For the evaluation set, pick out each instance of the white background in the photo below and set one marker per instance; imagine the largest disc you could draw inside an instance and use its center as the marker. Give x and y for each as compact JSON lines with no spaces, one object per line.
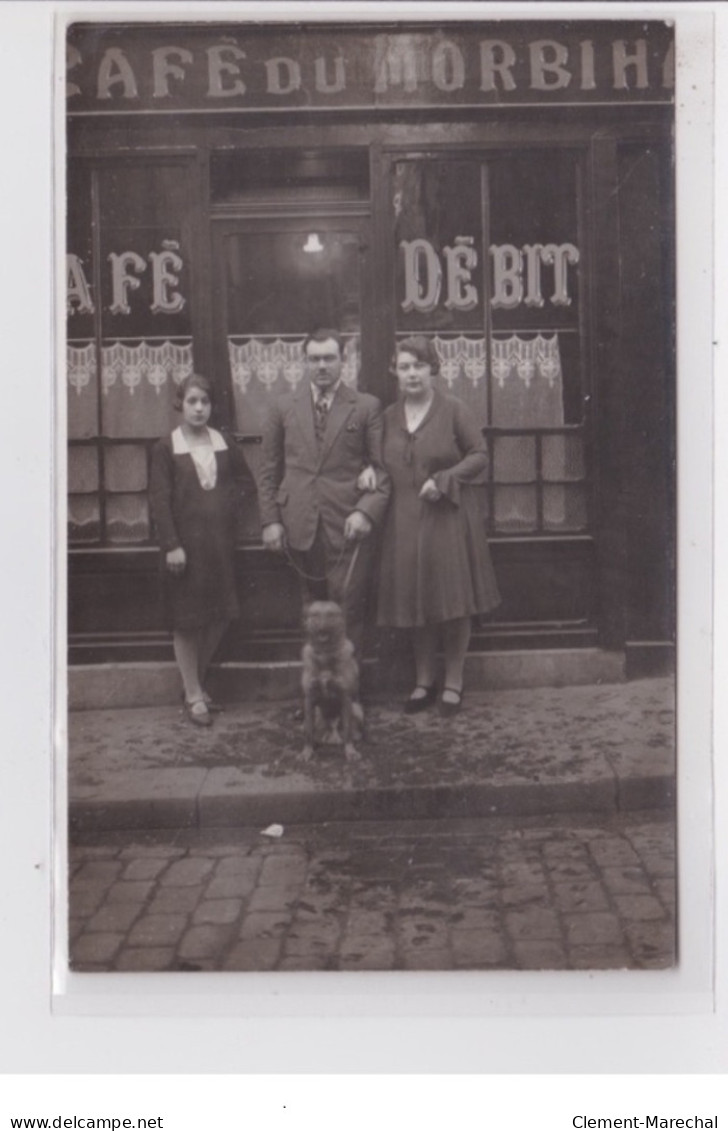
{"x":679,"y":1032}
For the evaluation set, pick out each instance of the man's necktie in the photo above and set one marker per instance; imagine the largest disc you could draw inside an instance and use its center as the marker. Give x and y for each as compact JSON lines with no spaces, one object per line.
{"x":320,"y":417}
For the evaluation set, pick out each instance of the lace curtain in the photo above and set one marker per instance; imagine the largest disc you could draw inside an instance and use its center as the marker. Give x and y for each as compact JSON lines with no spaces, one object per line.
{"x":137,"y":403}
{"x":262,"y":368}
{"x":137,"y":381}
{"x":526,"y":392}
{"x":136,"y":385}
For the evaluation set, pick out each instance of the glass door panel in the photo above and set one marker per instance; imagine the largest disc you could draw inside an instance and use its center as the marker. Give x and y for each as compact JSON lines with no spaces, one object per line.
{"x":275,"y":282}
{"x":278,"y":284}
{"x":286,"y":283}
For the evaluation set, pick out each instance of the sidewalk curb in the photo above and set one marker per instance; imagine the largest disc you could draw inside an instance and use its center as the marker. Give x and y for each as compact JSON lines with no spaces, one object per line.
{"x":192,"y":809}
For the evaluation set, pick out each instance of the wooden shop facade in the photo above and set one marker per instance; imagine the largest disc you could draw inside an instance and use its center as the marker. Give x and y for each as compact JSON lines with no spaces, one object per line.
{"x":504,"y":187}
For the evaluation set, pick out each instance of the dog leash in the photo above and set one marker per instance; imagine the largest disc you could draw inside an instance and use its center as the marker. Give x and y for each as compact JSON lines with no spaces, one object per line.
{"x":350,"y":570}
{"x":329,"y":573}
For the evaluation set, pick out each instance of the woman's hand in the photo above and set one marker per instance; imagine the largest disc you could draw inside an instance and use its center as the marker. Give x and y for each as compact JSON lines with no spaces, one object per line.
{"x":430,"y":492}
{"x":176,"y":560}
{"x":367,"y":480}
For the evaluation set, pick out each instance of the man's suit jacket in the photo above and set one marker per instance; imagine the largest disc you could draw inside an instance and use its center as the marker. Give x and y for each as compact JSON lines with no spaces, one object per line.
{"x":300,"y":483}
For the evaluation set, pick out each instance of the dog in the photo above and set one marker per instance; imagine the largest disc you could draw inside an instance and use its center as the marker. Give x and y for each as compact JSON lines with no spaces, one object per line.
{"x":329,"y":681}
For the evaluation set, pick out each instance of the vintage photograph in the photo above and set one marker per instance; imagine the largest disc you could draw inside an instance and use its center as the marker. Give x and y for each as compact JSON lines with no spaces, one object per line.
{"x":370,"y":412}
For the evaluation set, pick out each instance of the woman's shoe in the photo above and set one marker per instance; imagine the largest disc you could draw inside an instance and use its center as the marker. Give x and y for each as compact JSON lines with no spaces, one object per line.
{"x":197,"y":713}
{"x":417,"y":703}
{"x":449,"y":708}
{"x":213,"y":707}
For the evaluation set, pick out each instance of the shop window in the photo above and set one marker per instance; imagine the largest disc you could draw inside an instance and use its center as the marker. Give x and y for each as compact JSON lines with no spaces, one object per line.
{"x":126,"y":467}
{"x":81,"y":308}
{"x":270,"y":176}
{"x":514,"y":459}
{"x":488,"y":262}
{"x":516,"y":508}
{"x":129,"y":336}
{"x":563,"y":457}
{"x":83,"y":470}
{"x":127,"y":518}
{"x":83,"y":493}
{"x":564,"y":507}
{"x":84,"y":518}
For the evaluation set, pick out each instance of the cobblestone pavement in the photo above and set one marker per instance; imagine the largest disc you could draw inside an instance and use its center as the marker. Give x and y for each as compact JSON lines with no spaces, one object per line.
{"x":584,"y":892}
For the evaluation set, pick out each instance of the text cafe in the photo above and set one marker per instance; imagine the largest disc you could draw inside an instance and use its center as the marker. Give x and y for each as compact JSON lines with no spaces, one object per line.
{"x":503,"y":187}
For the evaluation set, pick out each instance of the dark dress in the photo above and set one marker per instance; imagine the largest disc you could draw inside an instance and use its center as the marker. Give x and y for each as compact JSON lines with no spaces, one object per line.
{"x":436,"y":563}
{"x":203,"y":523}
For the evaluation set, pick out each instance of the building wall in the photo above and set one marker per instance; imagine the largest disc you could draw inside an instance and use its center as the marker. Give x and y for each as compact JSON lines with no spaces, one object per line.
{"x":536,"y":251}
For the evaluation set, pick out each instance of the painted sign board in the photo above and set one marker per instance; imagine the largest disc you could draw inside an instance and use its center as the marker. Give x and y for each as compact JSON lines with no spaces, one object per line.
{"x":207,"y":68}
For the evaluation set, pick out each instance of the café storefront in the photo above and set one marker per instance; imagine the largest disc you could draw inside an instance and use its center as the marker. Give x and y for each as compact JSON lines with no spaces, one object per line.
{"x":505,"y":188}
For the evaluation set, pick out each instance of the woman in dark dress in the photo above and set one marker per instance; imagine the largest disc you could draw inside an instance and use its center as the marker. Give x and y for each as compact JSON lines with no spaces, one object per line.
{"x":436,"y":571}
{"x":193,"y":501}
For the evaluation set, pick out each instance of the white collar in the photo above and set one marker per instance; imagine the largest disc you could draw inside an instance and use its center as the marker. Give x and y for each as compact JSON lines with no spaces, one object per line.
{"x":180,"y":447}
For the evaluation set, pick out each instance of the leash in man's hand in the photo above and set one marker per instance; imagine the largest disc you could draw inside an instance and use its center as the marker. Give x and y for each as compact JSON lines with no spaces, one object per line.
{"x":330,"y":572}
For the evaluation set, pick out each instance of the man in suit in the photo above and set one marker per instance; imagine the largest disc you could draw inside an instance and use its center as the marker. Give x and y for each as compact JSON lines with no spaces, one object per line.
{"x":316,"y":442}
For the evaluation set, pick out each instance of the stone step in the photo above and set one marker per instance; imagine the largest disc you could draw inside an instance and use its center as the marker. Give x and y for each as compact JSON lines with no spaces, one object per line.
{"x":99,"y":686}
